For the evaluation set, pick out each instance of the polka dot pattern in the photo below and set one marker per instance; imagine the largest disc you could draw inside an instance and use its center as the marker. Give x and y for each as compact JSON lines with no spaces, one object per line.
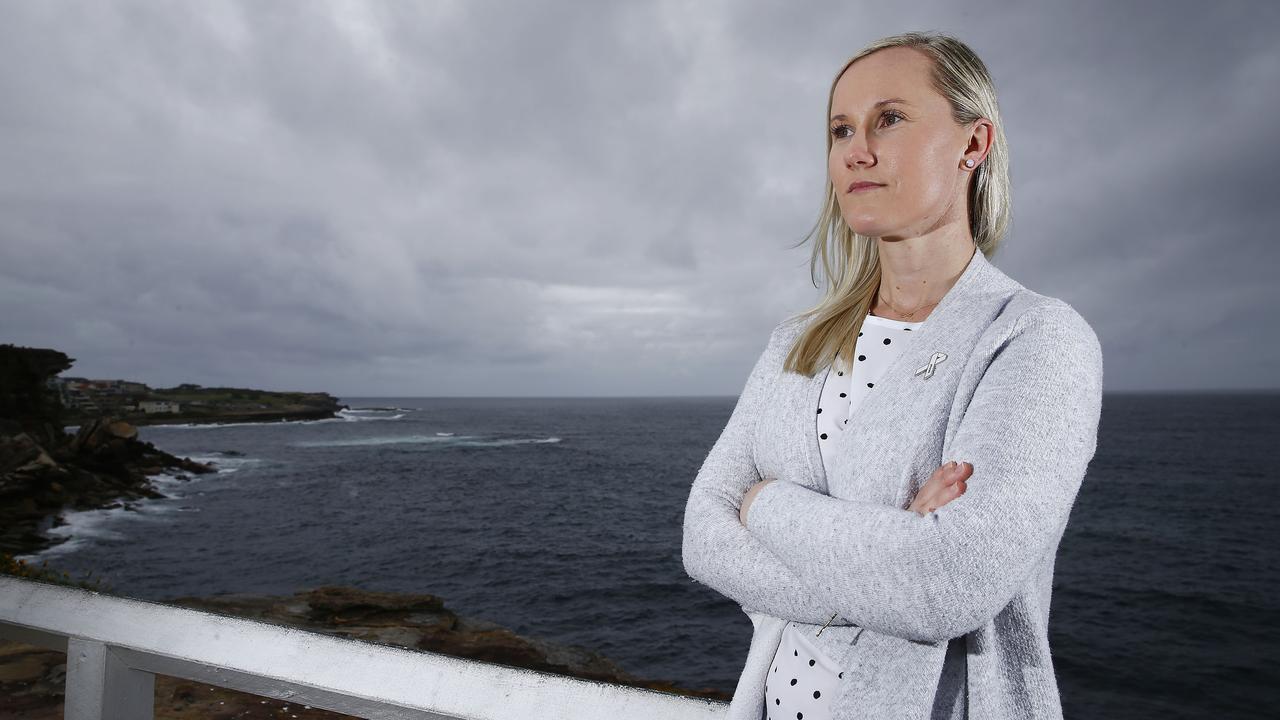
{"x":803,"y":679}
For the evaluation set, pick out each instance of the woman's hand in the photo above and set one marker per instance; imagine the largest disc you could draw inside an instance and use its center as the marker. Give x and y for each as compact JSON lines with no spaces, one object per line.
{"x":751,"y":495}
{"x":945,"y":484}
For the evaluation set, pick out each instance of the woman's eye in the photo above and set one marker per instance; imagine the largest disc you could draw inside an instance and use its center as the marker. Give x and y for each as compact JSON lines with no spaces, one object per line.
{"x":838,"y":129}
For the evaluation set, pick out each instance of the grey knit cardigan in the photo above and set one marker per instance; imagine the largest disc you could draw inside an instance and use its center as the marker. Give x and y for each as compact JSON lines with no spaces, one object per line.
{"x":938,"y":616}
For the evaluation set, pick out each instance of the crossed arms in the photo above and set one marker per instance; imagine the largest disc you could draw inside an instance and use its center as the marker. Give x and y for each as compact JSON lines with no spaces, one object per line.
{"x":1029,"y":431}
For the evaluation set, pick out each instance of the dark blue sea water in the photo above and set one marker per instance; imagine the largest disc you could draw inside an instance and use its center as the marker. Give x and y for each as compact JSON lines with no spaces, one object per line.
{"x":562,"y":518}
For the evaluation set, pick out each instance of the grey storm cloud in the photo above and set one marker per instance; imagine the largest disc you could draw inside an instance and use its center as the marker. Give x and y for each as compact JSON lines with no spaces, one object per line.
{"x":590,"y":198}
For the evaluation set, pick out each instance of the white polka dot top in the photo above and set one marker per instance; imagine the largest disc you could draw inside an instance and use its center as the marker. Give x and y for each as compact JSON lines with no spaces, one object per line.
{"x":803,"y":679}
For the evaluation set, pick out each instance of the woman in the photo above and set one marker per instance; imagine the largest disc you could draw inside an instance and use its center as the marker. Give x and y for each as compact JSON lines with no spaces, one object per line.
{"x":872,"y":594}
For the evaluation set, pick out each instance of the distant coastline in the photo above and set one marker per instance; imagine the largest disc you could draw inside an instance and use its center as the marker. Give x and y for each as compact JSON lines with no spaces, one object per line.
{"x":136,"y":403}
{"x":219,"y":418}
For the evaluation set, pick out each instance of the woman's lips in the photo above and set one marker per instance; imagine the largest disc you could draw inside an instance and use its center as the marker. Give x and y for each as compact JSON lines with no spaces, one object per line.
{"x":861,"y":186}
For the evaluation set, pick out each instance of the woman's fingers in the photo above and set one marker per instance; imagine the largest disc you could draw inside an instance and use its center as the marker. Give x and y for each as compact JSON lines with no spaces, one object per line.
{"x":955,"y":473}
{"x":960,"y":470}
{"x":945,"y":484}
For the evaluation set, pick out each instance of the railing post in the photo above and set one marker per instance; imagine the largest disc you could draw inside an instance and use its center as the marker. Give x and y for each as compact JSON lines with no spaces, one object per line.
{"x":100,"y":686}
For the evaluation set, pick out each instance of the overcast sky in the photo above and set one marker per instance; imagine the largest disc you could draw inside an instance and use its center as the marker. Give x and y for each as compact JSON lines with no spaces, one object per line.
{"x":578,"y":198}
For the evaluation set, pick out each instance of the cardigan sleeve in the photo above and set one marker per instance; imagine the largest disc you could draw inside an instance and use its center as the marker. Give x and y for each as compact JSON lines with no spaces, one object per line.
{"x":718,"y":550}
{"x":1029,"y":431}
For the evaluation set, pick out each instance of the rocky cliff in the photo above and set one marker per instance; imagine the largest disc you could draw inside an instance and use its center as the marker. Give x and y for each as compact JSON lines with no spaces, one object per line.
{"x":45,"y":471}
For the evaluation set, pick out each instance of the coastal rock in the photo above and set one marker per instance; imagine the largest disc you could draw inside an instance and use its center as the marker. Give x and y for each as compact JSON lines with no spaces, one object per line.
{"x":18,"y":451}
{"x":26,"y":404}
{"x":44,"y":471}
{"x":102,"y":464}
{"x":122,"y":430}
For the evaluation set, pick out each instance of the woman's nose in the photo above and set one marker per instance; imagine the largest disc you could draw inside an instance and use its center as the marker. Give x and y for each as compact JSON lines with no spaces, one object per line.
{"x":857,"y":153}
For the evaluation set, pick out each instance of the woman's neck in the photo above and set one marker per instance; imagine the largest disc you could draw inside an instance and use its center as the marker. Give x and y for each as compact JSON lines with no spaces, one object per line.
{"x":916,"y":273}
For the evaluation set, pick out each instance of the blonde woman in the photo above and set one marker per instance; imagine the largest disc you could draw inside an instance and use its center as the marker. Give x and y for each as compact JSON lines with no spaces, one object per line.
{"x":887,"y":498}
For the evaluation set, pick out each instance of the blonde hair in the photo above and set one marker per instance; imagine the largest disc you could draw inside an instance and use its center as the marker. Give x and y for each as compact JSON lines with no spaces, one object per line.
{"x":850,"y":261}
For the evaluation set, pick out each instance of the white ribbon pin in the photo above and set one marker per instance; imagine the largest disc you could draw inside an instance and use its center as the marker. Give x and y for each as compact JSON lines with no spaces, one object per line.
{"x":933,"y":361}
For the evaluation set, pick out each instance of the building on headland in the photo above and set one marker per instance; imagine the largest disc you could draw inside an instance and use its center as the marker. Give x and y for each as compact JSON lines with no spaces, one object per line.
{"x":158,"y":406}
{"x":98,"y":396}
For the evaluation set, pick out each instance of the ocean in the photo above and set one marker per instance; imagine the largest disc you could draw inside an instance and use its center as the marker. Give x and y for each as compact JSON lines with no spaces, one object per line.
{"x":561,"y":518}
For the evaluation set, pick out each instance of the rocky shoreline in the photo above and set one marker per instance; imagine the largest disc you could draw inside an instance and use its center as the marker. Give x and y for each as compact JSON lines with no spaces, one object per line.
{"x":44,"y":474}
{"x":44,"y":471}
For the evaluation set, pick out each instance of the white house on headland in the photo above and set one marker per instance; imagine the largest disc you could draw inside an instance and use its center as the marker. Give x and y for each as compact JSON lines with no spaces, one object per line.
{"x":158,"y":406}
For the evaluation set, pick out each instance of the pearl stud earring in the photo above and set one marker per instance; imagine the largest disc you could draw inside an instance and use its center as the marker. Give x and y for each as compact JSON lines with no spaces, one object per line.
{"x":968,"y":163}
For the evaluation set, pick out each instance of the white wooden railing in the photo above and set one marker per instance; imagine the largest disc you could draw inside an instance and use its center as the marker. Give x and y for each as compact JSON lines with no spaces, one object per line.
{"x":116,"y":646}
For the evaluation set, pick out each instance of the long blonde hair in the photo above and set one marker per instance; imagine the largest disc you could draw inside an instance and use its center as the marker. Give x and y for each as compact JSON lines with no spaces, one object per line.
{"x":850,"y":261}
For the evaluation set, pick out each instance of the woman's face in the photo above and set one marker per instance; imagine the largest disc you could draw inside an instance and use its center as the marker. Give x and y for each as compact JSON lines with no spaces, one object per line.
{"x":911,"y":146}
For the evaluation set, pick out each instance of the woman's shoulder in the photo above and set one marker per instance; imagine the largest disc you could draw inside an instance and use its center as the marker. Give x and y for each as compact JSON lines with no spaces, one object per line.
{"x":1035,"y":309}
{"x":1048,"y":320}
